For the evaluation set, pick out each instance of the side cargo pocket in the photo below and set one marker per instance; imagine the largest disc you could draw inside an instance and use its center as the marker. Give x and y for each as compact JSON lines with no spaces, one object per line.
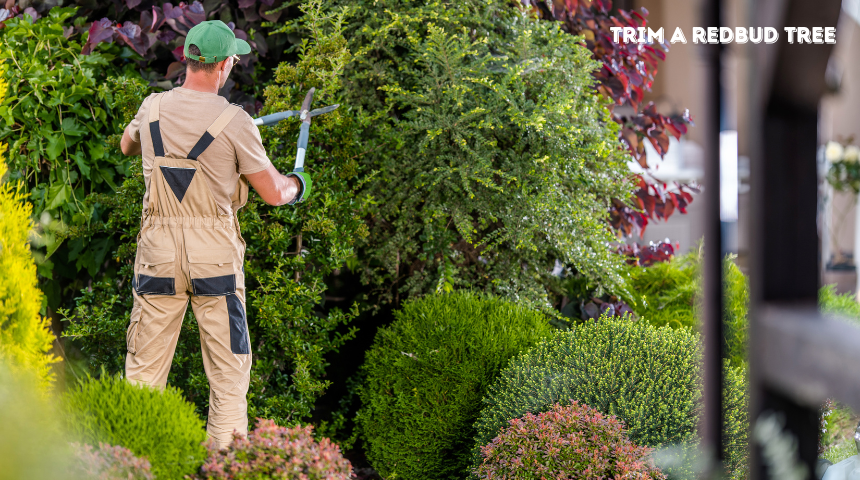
{"x":212,"y":272}
{"x":155,"y":271}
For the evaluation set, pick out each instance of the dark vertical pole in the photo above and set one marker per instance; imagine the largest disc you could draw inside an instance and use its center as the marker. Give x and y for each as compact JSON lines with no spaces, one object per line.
{"x":712,"y":324}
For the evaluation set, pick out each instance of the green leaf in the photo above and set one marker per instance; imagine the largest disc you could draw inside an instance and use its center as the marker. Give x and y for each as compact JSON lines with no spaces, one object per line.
{"x":56,"y":145}
{"x":58,"y":194}
{"x":6,"y":113}
{"x":72,"y":128}
{"x":82,"y":165}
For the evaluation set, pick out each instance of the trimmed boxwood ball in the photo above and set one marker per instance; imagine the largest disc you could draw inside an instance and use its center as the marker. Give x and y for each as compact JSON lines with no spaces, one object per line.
{"x":426,"y":374}
{"x":572,"y":441}
{"x":648,"y":377}
{"x":159,"y":425}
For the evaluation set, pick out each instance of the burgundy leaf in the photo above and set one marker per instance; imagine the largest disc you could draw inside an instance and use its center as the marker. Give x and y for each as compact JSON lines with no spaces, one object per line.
{"x":100,"y":31}
{"x":132,"y":3}
{"x":247,"y":3}
{"x":166,"y":36}
{"x":174,"y":70}
{"x":179,"y":53}
{"x":34,"y":15}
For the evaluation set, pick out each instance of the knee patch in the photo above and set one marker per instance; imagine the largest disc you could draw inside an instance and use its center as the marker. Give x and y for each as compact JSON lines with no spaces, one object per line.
{"x":238,"y":326}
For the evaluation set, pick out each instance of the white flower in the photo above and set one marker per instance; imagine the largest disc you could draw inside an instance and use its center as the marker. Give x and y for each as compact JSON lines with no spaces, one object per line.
{"x":833,"y":152}
{"x":852,"y":154}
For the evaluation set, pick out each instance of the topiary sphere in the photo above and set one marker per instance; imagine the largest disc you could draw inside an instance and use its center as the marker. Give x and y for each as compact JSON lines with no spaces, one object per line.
{"x":648,"y":377}
{"x":159,"y":425}
{"x":426,"y":374}
{"x":573,"y":441}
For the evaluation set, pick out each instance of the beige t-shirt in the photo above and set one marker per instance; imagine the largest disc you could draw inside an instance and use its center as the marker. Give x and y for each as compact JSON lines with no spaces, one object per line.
{"x":184,"y":116}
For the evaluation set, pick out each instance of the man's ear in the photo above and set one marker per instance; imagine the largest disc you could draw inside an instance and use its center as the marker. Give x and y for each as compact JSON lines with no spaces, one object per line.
{"x":222,"y":65}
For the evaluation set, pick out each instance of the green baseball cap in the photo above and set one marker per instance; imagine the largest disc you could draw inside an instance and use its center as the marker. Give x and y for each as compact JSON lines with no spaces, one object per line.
{"x":216,"y":42}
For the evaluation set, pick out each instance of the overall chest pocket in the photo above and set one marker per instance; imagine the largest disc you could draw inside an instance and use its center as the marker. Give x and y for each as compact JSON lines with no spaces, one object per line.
{"x":212,"y":272}
{"x":156,"y":271}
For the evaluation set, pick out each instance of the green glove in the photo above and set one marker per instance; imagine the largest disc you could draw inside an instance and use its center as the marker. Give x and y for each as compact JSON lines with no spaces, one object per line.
{"x":305,"y":190}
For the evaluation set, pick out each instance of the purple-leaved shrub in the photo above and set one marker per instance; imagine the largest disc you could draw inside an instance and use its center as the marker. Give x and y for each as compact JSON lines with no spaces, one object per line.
{"x":270,"y":451}
{"x":109,"y":462}
{"x":573,"y":441}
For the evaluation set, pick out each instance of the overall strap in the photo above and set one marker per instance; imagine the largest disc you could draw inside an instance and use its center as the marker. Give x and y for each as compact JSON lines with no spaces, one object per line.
{"x":217,"y":126}
{"x":154,"y":131}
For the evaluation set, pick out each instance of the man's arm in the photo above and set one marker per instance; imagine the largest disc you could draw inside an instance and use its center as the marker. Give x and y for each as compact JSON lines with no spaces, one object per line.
{"x":128,"y":146}
{"x":274,"y":188}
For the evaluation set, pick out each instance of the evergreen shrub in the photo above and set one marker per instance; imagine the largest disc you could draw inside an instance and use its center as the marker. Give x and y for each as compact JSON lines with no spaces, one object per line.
{"x":667,"y":294}
{"x":160,"y":426}
{"x":25,"y":336}
{"x":426,"y":374}
{"x":270,"y":451}
{"x":646,"y":376}
{"x":573,"y":441}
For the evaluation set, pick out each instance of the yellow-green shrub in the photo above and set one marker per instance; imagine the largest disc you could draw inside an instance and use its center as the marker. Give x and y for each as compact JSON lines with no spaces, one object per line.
{"x":25,"y":336}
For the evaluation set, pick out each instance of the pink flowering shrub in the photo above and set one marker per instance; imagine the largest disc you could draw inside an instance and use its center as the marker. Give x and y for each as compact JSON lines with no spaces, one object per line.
{"x":108,"y":462}
{"x":574,"y":441}
{"x":270,"y":451}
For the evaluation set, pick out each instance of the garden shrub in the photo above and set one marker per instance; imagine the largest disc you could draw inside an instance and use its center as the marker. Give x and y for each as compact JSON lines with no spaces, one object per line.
{"x":486,"y":176}
{"x":572,"y":441}
{"x":107,"y":462}
{"x":156,"y":424}
{"x":646,"y":376}
{"x":270,"y":451}
{"x":667,"y":293}
{"x":25,"y":336}
{"x":844,"y":304}
{"x":426,"y":374}
{"x":291,"y":250}
{"x":62,"y":126}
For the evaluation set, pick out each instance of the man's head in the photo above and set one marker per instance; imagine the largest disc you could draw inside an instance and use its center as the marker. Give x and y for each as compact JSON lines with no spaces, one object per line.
{"x":211,"y":50}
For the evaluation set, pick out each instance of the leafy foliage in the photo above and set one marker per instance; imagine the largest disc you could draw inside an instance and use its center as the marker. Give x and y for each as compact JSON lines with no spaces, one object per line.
{"x":646,"y":256}
{"x":628,"y":71}
{"x":154,"y":36}
{"x":60,"y":123}
{"x":107,"y":462}
{"x":290,"y":252}
{"x":25,"y":336}
{"x":270,"y":451}
{"x":844,"y":304}
{"x":426,"y":374}
{"x":159,"y":425}
{"x":573,"y":441}
{"x":486,"y":174}
{"x":648,"y":377}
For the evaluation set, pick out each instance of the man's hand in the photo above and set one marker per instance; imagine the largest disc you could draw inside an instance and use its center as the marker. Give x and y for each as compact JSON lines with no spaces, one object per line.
{"x":128,"y":146}
{"x":274,"y":188}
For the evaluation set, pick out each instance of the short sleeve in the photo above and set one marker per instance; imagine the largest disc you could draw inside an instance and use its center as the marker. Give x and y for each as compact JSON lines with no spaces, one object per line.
{"x":133,"y":128}
{"x":250,"y":154}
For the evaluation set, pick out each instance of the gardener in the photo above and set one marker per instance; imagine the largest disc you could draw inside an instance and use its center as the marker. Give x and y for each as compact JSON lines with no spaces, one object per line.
{"x":198,"y":151}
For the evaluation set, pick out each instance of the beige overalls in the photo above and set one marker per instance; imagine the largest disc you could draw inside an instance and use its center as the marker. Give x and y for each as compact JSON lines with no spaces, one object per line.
{"x":187,"y":250}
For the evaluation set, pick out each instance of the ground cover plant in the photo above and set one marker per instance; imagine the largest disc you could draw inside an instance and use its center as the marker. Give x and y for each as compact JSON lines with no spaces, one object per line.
{"x":158,"y":425}
{"x":270,"y":451}
{"x":426,"y":374}
{"x":646,"y":376}
{"x":567,"y":441}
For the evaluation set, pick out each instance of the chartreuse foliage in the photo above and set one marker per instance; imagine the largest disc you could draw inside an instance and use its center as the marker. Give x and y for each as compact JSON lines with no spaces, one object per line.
{"x":496,"y":158}
{"x":58,"y":119}
{"x":25,"y":336}
{"x":568,"y":441}
{"x":648,"y":377}
{"x":290,"y":331}
{"x":157,"y":424}
{"x":33,"y":443}
{"x":426,"y":374}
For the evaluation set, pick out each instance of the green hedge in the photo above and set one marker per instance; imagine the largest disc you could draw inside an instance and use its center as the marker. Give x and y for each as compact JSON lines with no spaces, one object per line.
{"x":426,"y":374}
{"x":648,"y":377}
{"x":159,"y":425}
